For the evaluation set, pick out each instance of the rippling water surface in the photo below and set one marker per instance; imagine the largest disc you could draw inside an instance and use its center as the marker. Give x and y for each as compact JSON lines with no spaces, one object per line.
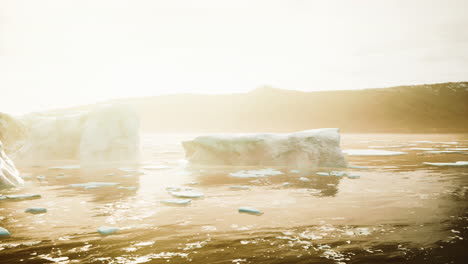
{"x":397,"y":211}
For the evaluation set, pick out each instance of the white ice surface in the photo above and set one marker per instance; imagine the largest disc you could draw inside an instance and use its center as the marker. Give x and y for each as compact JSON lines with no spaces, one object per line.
{"x":9,"y":175}
{"x":448,"y":164}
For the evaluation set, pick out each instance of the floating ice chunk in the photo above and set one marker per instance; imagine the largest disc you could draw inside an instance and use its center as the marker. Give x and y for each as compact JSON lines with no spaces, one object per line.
{"x":323,"y":173}
{"x":239,"y":187}
{"x":372,"y":152}
{"x":294,"y":171}
{"x":9,"y":175}
{"x":363,"y":231}
{"x":66,"y":167}
{"x":286,"y":183}
{"x":313,"y":148}
{"x":304,"y":179}
{"x":36,"y":210}
{"x":357,"y":167}
{"x":187,"y":194}
{"x":353,"y":176}
{"x":23,"y":196}
{"x":41,"y":178}
{"x":458,"y":149}
{"x":130,"y":188}
{"x":255,"y":173}
{"x":176,"y":201}
{"x":338,"y":173}
{"x":448,"y":164}
{"x":250,"y":210}
{"x":4,"y":233}
{"x":107,"y":230}
{"x":92,"y":185}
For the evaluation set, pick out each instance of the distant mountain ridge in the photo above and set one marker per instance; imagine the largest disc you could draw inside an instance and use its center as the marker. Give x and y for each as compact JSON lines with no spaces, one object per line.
{"x":428,"y":108}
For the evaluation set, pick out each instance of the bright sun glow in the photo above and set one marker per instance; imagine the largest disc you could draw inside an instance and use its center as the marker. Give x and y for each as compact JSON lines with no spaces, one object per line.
{"x":59,"y":53}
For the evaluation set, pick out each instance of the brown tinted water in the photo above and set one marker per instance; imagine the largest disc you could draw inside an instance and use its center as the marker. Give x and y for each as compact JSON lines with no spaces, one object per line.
{"x":398,"y":211}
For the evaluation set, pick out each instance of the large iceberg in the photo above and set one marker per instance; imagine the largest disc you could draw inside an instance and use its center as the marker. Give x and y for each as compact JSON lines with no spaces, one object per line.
{"x":305,"y":149}
{"x":9,"y":175}
{"x":106,"y":134}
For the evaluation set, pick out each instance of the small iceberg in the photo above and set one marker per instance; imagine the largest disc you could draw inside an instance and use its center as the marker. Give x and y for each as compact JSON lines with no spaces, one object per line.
{"x":187,"y":194}
{"x":448,"y":164}
{"x":107,"y":230}
{"x":286,"y":184}
{"x":372,"y":152}
{"x":323,"y":173}
{"x":338,"y":173}
{"x":41,"y":178}
{"x":93,"y":185}
{"x":357,"y":167}
{"x":458,"y":149}
{"x":304,"y":179}
{"x":239,"y":187}
{"x":250,"y":210}
{"x":176,"y":201}
{"x":353,"y":176}
{"x":4,"y":232}
{"x":423,"y":149}
{"x":255,"y":173}
{"x":23,"y":196}
{"x":36,"y":210}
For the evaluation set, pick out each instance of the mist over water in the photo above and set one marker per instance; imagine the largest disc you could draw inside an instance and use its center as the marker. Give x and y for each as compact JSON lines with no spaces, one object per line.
{"x":398,"y":211}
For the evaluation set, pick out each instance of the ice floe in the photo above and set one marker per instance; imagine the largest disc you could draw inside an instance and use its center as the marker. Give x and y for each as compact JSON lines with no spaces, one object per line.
{"x":23,"y":196}
{"x":187,"y":194}
{"x":36,"y":210}
{"x":239,"y":187}
{"x":176,"y":201}
{"x":250,"y":210}
{"x":107,"y":230}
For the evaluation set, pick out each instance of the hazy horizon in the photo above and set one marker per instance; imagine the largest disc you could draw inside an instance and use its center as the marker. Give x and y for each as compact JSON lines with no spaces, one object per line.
{"x":64,"y":53}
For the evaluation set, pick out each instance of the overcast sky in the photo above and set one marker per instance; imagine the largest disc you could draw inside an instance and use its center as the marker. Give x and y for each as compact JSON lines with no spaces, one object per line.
{"x":60,"y":52}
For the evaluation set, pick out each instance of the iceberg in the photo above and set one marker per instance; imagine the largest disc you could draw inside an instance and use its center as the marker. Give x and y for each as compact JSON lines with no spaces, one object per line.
{"x":448,"y":164}
{"x":353,"y":176}
{"x":372,"y":152}
{"x":323,"y":173}
{"x":4,"y":232}
{"x":249,"y":210}
{"x":239,"y":187}
{"x":304,"y":179}
{"x":108,"y":134}
{"x":305,"y":149}
{"x":9,"y":175}
{"x":36,"y":210}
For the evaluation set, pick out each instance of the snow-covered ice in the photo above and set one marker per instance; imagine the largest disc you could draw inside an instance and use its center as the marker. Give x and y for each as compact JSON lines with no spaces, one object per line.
{"x":305,"y":149}
{"x":323,"y":173}
{"x":372,"y":152}
{"x":23,"y":196}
